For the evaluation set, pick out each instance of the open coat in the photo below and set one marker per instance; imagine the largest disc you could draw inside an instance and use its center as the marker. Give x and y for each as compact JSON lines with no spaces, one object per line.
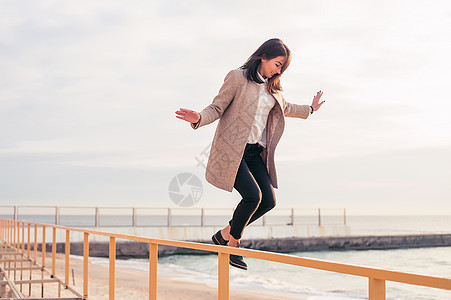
{"x":236,"y":106}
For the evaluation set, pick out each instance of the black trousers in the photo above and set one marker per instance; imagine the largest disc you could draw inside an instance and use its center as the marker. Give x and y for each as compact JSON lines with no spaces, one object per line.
{"x":254,"y":185}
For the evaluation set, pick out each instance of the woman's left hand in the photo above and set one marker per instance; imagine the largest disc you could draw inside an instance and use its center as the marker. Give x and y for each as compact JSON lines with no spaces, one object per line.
{"x":316,"y":104}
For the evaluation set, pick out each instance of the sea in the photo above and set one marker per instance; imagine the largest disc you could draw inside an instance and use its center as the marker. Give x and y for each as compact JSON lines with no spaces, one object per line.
{"x":357,"y":225}
{"x":124,"y":218}
{"x":295,"y":282}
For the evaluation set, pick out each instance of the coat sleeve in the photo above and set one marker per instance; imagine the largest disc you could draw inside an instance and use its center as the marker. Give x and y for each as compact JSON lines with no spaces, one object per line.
{"x":220,"y":103}
{"x":295,"y":110}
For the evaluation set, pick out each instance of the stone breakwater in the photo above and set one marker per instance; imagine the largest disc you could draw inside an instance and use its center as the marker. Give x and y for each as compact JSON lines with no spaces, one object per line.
{"x":282,"y":245}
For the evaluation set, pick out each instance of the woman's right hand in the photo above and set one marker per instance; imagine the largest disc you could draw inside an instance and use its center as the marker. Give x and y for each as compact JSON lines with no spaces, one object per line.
{"x":188,"y":115}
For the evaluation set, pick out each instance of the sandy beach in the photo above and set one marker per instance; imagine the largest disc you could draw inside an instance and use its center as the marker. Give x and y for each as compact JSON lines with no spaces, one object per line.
{"x":133,"y":284}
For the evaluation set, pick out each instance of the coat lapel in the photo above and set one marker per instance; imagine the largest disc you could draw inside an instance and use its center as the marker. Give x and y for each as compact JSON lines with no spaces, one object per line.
{"x":278,"y":98}
{"x":276,"y":116}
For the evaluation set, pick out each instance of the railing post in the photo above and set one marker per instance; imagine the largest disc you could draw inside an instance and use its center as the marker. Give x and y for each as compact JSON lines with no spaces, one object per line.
{"x":67,"y":248}
{"x":23,"y":238}
{"x":57,"y":215}
{"x":85,"y":264}
{"x":153,"y":265}
{"x":344,"y":216}
{"x":54,"y":252}
{"x":292,"y":216}
{"x":14,"y":233}
{"x":223,"y":276}
{"x":16,"y":213}
{"x":16,"y":224}
{"x":97,"y":217}
{"x":18,"y":236}
{"x":377,"y":289}
{"x":319,"y":216}
{"x":169,"y":217}
{"x":134,"y":217}
{"x":43,"y":247}
{"x":19,"y":241}
{"x":11,"y":232}
{"x":28,"y":240}
{"x":202,"y":220}
{"x":112,"y":285}
{"x":35,"y":248}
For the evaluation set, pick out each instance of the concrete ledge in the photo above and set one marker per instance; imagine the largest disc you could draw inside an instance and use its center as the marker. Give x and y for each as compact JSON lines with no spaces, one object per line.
{"x":281,"y":245}
{"x":350,"y":243}
{"x":196,"y":233}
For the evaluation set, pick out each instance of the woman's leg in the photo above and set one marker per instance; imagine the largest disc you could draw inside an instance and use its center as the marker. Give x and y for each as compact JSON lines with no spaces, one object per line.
{"x":268,"y":200}
{"x":250,"y":180}
{"x":254,"y":185}
{"x":260,"y":173}
{"x":248,"y":188}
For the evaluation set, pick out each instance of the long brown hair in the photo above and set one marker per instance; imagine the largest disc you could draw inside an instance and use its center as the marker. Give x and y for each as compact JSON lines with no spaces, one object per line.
{"x":268,"y":50}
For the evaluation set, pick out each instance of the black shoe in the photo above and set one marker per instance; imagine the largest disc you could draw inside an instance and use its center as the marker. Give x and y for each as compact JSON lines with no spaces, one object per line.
{"x":237,"y":261}
{"x":218,"y":239}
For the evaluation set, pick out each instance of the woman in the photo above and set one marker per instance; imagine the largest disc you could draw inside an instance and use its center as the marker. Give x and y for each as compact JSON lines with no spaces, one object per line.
{"x":251,"y":109}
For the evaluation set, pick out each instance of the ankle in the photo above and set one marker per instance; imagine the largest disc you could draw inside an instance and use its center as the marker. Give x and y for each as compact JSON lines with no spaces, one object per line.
{"x":225,"y":232}
{"x":233,"y":242}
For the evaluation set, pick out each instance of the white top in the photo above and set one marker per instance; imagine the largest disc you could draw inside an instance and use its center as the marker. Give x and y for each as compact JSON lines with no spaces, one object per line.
{"x":265,"y":103}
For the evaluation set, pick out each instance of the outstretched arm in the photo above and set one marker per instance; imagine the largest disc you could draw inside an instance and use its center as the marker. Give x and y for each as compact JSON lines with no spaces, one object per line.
{"x":215,"y":110}
{"x":303,"y":111}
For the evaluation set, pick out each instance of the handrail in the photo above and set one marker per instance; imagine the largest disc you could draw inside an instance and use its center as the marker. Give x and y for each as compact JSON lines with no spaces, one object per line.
{"x":10,"y":232}
{"x":94,"y":213}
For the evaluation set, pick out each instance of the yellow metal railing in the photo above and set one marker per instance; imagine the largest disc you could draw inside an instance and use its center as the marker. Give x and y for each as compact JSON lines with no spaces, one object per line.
{"x":11,"y":234}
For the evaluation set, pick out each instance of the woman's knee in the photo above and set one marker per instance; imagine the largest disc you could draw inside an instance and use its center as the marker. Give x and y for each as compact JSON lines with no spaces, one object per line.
{"x":255,"y":197}
{"x":268,"y":201}
{"x":251,"y":195}
{"x":270,"y":204}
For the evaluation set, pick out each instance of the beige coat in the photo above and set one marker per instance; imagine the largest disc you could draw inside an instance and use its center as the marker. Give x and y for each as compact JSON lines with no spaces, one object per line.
{"x":236,"y":106}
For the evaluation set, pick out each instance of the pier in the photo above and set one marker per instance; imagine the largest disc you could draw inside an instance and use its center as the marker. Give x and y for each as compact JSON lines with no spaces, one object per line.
{"x":22,"y":276}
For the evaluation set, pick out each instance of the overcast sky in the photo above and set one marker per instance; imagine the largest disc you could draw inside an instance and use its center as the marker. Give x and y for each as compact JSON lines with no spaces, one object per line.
{"x":89,"y":90}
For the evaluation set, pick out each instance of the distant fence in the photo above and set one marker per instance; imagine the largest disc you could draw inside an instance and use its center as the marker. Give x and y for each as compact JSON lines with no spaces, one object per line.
{"x":165,"y":217}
